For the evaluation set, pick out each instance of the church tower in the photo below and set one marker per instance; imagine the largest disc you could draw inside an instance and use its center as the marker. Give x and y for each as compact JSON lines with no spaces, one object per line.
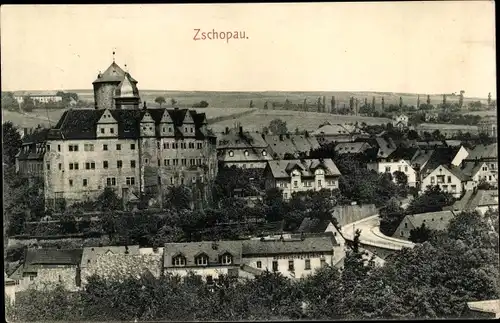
{"x":115,"y":88}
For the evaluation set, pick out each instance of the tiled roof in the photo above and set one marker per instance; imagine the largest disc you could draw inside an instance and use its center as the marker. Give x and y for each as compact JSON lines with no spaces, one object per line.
{"x":440,"y":156}
{"x":332,"y":129}
{"x":33,"y":145}
{"x":282,"y":168}
{"x":483,"y":198}
{"x":276,"y":247}
{"x":53,"y":257}
{"x":484,"y":151}
{"x":444,"y":126}
{"x":90,"y":254}
{"x":245,"y":139}
{"x":351,"y":147}
{"x":403,"y":153}
{"x":433,"y":220}
{"x":82,"y":123}
{"x":313,"y":225}
{"x":213,"y":250}
{"x":471,"y":168}
{"x":457,"y":171}
{"x":114,"y":73}
{"x":386,"y":147}
{"x":422,"y":157}
{"x":291,"y":144}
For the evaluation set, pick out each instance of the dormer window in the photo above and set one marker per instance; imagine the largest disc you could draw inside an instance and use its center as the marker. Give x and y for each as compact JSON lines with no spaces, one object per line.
{"x":226,"y":259}
{"x":246,"y":152}
{"x":179,"y":261}
{"x":231,"y":153}
{"x":264,"y":153}
{"x":201,"y":260}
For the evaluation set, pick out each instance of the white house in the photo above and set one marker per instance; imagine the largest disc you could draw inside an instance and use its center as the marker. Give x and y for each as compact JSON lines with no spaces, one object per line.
{"x":400,"y":121}
{"x":397,"y":160}
{"x":449,"y":178}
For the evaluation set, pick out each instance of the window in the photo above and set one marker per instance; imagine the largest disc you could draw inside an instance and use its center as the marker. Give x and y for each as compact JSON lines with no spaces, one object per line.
{"x":406,"y":225}
{"x":73,"y":166}
{"x":198,"y":161}
{"x":184,"y":161}
{"x":130,"y":180}
{"x":192,"y":129}
{"x":231,"y":153}
{"x":489,"y":177}
{"x":175,"y":162}
{"x":48,"y":147}
{"x":295,"y":184}
{"x":226,"y":259}
{"x":59,"y":166}
{"x":432,"y":180}
{"x":73,"y":147}
{"x":159,"y":163}
{"x":275,"y":265}
{"x":192,"y":162}
{"x":454,"y":188}
{"x":308,"y":264}
{"x":158,"y":145}
{"x":199,"y":145}
{"x":111,"y":130}
{"x":185,"y":129}
{"x":169,"y":129}
{"x":246,"y":152}
{"x":32,"y":277}
{"x":105,"y":164}
{"x":285,"y":195}
{"x":70,"y":182}
{"x":118,"y":147}
{"x":399,"y":168}
{"x":210,"y":280}
{"x":449,"y":179}
{"x":182,"y":181}
{"x":132,"y":164}
{"x":201,"y":260}
{"x":191,"y":145}
{"x":105,"y":147}
{"x":322,"y":262}
{"x":259,"y":264}
{"x":119,"y":164}
{"x":319,"y":183}
{"x":102,"y":130}
{"x":58,"y":147}
{"x":85,"y":182}
{"x":290,"y":265}
{"x":111,"y":181}
{"x":440,"y":179}
{"x":179,"y":261}
{"x":146,"y":161}
{"x":48,"y":166}
{"x":388,"y":169}
{"x":132,"y":146}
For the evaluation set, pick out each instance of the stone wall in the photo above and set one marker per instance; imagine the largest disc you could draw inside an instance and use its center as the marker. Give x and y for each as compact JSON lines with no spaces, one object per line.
{"x":346,"y":214}
{"x":123,"y":265}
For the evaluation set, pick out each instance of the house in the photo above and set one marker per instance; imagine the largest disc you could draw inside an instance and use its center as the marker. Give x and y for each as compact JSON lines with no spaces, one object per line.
{"x":479,"y":171}
{"x":207,"y":259}
{"x":56,"y":266}
{"x":290,"y":146}
{"x":328,"y":133}
{"x":481,"y":201}
{"x":242,"y":149}
{"x":483,"y":309}
{"x":486,"y":153}
{"x":317,"y":226}
{"x":447,"y":130}
{"x":433,"y":220}
{"x":400,"y":122}
{"x":351,"y":147}
{"x":29,"y":159}
{"x":301,"y":175}
{"x":125,"y":147}
{"x":38,"y":96}
{"x":450,"y":179}
{"x":295,"y":257}
{"x":398,"y":160}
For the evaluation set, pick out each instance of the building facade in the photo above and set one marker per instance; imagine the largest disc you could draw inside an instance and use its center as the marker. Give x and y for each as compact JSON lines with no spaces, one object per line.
{"x":119,"y":144}
{"x":40,"y":97}
{"x":301,"y":175}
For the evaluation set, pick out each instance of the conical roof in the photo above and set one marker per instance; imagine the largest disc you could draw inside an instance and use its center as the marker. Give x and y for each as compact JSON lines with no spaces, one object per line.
{"x":114,"y":73}
{"x":127,"y":88}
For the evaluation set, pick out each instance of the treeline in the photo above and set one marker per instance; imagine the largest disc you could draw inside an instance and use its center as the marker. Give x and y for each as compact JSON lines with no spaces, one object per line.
{"x":433,"y":280}
{"x":9,"y":102}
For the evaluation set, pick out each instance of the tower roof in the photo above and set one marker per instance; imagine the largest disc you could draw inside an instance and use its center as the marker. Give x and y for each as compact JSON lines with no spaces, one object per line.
{"x":114,"y":73}
{"x":127,"y":88}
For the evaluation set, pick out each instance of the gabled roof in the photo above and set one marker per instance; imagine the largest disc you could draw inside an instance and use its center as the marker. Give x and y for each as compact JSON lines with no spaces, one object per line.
{"x":440,"y":156}
{"x":90,"y":254}
{"x":351,"y":147}
{"x":291,"y":144}
{"x":313,"y":225}
{"x":483,"y":198}
{"x":113,"y":73}
{"x":282,"y":168}
{"x":433,"y":220}
{"x":403,"y":153}
{"x":33,"y":145}
{"x":275,"y":247}
{"x":471,"y":168}
{"x":52,"y":257}
{"x":234,"y":139}
{"x":483,"y":151}
{"x":213,"y":250}
{"x":82,"y":123}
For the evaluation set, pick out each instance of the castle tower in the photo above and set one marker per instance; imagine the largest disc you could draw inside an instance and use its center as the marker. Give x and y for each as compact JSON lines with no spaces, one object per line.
{"x":115,"y":83}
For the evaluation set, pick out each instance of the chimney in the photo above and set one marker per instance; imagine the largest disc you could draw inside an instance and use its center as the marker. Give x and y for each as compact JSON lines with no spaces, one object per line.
{"x":215,"y":246}
{"x":25,"y":131}
{"x":126,"y":250}
{"x":227,"y":130}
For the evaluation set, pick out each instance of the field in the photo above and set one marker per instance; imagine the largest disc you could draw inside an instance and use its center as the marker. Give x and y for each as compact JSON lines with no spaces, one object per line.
{"x":230,"y":103}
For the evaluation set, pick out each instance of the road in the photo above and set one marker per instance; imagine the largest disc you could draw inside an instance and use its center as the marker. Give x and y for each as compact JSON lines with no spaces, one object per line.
{"x":371,"y":235}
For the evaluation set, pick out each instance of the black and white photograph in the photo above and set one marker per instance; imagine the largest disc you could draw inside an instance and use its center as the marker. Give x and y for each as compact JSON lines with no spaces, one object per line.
{"x":250,"y":161}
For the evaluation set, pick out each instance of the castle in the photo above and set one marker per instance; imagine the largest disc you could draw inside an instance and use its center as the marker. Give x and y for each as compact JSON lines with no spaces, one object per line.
{"x":121,"y":144}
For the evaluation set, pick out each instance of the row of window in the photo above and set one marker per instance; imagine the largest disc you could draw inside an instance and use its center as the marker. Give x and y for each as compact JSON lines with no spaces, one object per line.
{"x":202,"y":260}
{"x":110,"y":181}
{"x":119,"y":163}
{"x":400,"y":169}
{"x":291,"y":264}
{"x":105,"y":147}
{"x":144,"y":128}
{"x":231,"y":153}
{"x":440,"y":179}
{"x":308,"y":183}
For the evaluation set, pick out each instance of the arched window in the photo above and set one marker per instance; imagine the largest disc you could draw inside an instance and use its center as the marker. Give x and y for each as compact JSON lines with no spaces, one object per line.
{"x":264,"y":153}
{"x":246,"y":152}
{"x":231,"y":153}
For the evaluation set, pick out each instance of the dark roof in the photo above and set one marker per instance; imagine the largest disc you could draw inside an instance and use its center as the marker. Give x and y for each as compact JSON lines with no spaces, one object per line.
{"x":33,"y":145}
{"x":440,"y":156}
{"x":114,"y":73}
{"x":403,"y":153}
{"x":37,"y":136}
{"x":307,"y":167}
{"x":53,"y":257}
{"x":273,"y":247}
{"x":313,"y":225}
{"x":191,"y":250}
{"x":82,"y":123}
{"x":484,"y":151}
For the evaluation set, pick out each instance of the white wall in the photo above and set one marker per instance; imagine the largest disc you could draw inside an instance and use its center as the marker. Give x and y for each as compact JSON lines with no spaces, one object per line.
{"x":447,"y":185}
{"x":402,"y":166}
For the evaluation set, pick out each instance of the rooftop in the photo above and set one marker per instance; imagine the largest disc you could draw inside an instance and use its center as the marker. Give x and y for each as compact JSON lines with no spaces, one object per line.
{"x":310,"y":244}
{"x":307,"y":167}
{"x":433,"y":220}
{"x":113,"y":73}
{"x":490,"y":306}
{"x":52,"y":257}
{"x":212,"y":249}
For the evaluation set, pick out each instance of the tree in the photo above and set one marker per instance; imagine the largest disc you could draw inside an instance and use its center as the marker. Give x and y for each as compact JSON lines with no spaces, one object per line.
{"x":28,"y":104}
{"x":420,"y":234}
{"x":391,"y":216}
{"x":373,"y":103}
{"x":160,"y":100}
{"x":489,"y":99}
{"x":333,"y":104}
{"x":278,"y":127}
{"x":178,"y":197}
{"x":433,"y":200}
{"x":173,"y":101}
{"x":383,"y":104}
{"x":251,"y":104}
{"x":418,"y":102}
{"x":428,"y":99}
{"x":401,"y":102}
{"x":444,"y":99}
{"x":471,"y":228}
{"x":265,"y":106}
{"x":461,"y":99}
{"x":108,"y":200}
{"x":9,"y":102}
{"x":11,"y":142}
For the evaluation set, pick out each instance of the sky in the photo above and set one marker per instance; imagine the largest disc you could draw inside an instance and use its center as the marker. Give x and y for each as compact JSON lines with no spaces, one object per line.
{"x":409,"y":47}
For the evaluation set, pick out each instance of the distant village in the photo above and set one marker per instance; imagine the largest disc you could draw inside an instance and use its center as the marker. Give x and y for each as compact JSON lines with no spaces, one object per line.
{"x":235,"y":203}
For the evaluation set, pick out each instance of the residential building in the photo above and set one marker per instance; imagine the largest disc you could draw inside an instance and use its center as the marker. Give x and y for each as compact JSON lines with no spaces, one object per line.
{"x":433,"y":220}
{"x":328,"y":132}
{"x":301,"y":175}
{"x":479,"y":171}
{"x":29,"y":159}
{"x":38,"y":96}
{"x":10,"y":288}
{"x":242,"y":149}
{"x":50,"y":266}
{"x":399,"y":160}
{"x":134,"y":151}
{"x":400,"y":121}
{"x":486,"y":153}
{"x":447,"y":130}
{"x":488,"y":125}
{"x":342,"y":148}
{"x":450,"y":179}
{"x":291,"y":146}
{"x":207,"y":259}
{"x":481,"y":201}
